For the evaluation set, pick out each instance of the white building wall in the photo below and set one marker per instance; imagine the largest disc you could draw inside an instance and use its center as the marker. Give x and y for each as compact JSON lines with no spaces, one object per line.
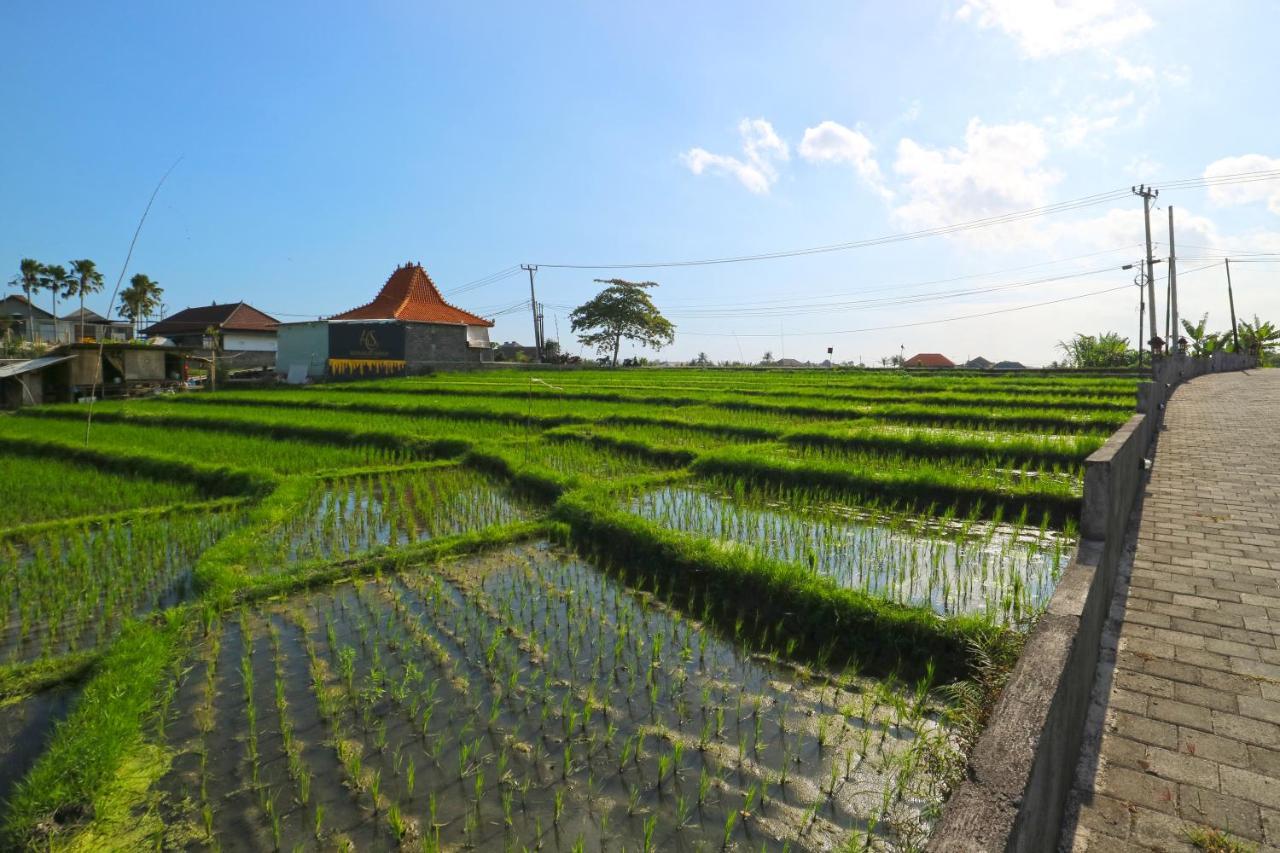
{"x":250,"y":341}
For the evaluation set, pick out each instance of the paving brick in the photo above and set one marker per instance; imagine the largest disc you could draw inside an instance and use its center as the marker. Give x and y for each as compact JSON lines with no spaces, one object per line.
{"x":1229,"y":813}
{"x":1193,"y":705}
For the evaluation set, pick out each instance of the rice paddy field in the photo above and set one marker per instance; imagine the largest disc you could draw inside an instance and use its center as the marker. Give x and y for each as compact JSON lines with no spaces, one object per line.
{"x":573,"y":610}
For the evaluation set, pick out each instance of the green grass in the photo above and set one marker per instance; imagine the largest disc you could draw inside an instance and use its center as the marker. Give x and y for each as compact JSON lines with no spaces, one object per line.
{"x":960,"y":445}
{"x":55,"y":488}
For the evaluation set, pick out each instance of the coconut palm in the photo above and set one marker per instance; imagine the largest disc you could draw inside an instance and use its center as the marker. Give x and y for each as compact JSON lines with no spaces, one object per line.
{"x":28,"y":280}
{"x":85,"y":279}
{"x":57,"y":281}
{"x":139,"y":299}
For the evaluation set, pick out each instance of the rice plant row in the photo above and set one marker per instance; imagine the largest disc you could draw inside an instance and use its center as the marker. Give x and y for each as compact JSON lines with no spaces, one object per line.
{"x":525,"y":700}
{"x":38,"y":488}
{"x":69,"y":589}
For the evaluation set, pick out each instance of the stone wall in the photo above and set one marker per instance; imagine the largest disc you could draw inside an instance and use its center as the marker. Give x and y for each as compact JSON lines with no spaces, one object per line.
{"x":432,"y":345}
{"x":1020,"y":771}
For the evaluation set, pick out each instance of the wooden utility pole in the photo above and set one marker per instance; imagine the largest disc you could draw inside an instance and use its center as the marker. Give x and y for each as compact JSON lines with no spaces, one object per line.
{"x":1231,"y":300}
{"x":1173,"y":284}
{"x":533,"y":307}
{"x":1148,"y":194}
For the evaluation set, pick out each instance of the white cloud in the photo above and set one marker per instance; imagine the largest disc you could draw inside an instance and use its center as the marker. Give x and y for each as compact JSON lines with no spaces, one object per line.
{"x":1227,"y":195}
{"x":1126,"y":70}
{"x":1050,"y":27}
{"x":1000,"y":170}
{"x":761,"y":148}
{"x":831,"y":142}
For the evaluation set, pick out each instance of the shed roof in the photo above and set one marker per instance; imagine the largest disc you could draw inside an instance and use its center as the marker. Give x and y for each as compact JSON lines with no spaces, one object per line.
{"x":17,"y":368}
{"x":410,"y":294}
{"x":229,"y":317}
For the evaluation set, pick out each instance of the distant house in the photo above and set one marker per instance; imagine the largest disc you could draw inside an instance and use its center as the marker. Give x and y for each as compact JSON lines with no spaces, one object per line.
{"x":88,"y":324}
{"x":1009,"y":365}
{"x":407,"y":328}
{"x":242,"y":332}
{"x":978,"y":363}
{"x":513,"y":351}
{"x":788,"y":362}
{"x":929,"y":359}
{"x":19,"y":313}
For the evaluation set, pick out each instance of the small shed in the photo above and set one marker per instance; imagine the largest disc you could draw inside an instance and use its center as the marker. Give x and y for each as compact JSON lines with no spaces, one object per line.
{"x":33,"y":381}
{"x":124,"y":367}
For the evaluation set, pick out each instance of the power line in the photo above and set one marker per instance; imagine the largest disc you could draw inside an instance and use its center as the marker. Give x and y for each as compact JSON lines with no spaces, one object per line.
{"x":942,"y":230}
{"x":922,"y":322}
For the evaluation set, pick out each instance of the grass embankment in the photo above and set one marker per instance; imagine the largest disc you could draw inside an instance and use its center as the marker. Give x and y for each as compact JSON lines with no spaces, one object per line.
{"x":211,"y":480}
{"x":71,"y":782}
{"x":62,"y":488}
{"x":920,"y":489}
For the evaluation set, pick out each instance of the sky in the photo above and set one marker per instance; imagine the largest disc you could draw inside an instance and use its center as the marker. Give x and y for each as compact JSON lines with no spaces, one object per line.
{"x":319,"y":145}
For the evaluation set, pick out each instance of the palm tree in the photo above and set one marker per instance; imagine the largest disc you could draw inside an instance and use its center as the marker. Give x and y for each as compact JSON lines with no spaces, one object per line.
{"x":28,"y":280}
{"x":56,"y":280}
{"x":85,"y":279}
{"x":139,"y":299}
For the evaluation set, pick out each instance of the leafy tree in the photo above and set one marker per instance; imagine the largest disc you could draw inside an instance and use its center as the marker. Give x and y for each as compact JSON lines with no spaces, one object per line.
{"x":622,"y":310}
{"x":701,"y":360}
{"x":1107,"y":349}
{"x":1258,"y":337}
{"x":551,"y":352}
{"x":768,"y":357}
{"x":85,"y":279}
{"x":1203,"y":342}
{"x":29,"y":280}
{"x":139,"y":299}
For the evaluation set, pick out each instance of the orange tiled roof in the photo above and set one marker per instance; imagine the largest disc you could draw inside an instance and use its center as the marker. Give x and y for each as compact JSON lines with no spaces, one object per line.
{"x":929,"y":359}
{"x":410,"y":294}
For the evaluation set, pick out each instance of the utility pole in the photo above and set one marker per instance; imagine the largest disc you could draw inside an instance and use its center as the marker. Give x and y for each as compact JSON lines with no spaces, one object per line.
{"x":533,"y":307}
{"x":1142,"y":306}
{"x":1148,"y":194}
{"x":1231,"y":300}
{"x":1173,"y":284}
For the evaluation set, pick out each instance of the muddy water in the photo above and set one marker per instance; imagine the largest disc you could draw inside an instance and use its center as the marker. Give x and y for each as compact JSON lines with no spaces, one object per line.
{"x":1003,"y":572}
{"x":25,"y":727}
{"x":524,"y":698}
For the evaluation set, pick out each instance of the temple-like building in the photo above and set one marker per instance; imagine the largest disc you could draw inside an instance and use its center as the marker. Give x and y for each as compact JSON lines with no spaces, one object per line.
{"x":408,"y":328}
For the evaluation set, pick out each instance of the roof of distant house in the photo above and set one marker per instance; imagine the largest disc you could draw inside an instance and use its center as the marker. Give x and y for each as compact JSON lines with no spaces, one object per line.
{"x":90,"y":316}
{"x":410,"y":294}
{"x":929,"y":359}
{"x":980,"y":363}
{"x":36,"y":311}
{"x":1010,"y":365}
{"x":229,"y":317}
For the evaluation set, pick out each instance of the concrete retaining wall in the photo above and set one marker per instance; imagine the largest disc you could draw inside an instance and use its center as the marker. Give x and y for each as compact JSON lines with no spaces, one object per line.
{"x":1020,"y":771}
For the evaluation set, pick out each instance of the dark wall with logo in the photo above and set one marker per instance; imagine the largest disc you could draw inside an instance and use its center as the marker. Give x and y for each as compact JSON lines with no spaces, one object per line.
{"x":370,"y":341}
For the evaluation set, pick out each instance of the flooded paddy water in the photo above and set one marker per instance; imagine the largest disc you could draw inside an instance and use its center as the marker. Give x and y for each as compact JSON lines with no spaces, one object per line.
{"x":526,"y":699}
{"x":348,"y":516}
{"x":951,"y":565}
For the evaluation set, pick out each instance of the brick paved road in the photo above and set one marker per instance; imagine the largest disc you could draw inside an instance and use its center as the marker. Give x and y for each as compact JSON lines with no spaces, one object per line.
{"x":1189,"y":715}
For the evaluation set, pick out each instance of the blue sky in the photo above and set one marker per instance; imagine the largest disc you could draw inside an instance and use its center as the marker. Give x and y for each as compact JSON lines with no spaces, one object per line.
{"x":324,"y":143}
